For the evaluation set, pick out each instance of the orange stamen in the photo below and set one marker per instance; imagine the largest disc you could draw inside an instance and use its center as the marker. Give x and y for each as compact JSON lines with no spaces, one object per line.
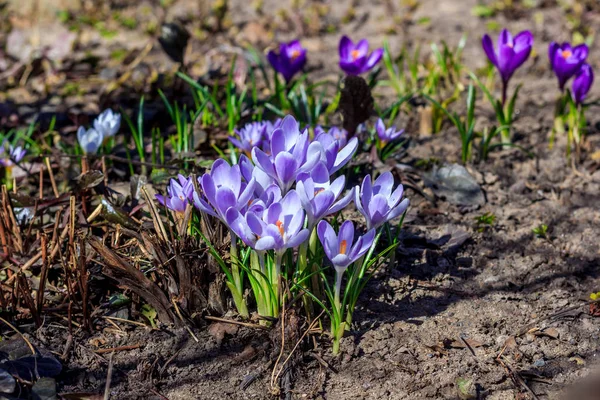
{"x":566,"y":54}
{"x":295,"y":54}
{"x":280,"y":227}
{"x":343,"y":246}
{"x":319,"y":191}
{"x":354,"y":54}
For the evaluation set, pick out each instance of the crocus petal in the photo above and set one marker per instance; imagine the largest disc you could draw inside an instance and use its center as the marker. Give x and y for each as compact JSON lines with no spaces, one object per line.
{"x":328,"y":239}
{"x":341,"y":261}
{"x":265,"y":243}
{"x":373,"y":59}
{"x":298,"y":239}
{"x":262,"y":161}
{"x":342,"y":203}
{"x":286,"y":167}
{"x":384,"y":184}
{"x":505,"y":38}
{"x":344,"y":155}
{"x":346,"y":237}
{"x":399,"y":210}
{"x":345,"y":47}
{"x":488,"y":47}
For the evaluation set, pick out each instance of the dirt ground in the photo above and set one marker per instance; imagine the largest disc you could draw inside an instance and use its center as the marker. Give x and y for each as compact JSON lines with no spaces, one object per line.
{"x":463,"y":313}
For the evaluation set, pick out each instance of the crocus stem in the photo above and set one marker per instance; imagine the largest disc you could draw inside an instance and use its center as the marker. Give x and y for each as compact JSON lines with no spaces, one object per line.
{"x":316,"y":283}
{"x":357,"y":275}
{"x":238,"y":297}
{"x":338,"y":287}
{"x":276,"y":279}
{"x":504,"y":92}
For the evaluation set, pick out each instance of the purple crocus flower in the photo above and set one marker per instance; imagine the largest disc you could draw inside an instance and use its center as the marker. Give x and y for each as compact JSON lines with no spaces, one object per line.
{"x":266,"y":190}
{"x":566,"y":60}
{"x":341,"y":249}
{"x":318,"y":194}
{"x":335,"y":153}
{"x":377,"y":203}
{"x":510,"y":54}
{"x":179,"y":194}
{"x":387,"y":135}
{"x":281,"y":226}
{"x":355,"y":58}
{"x":222,"y":189}
{"x":15,"y":155}
{"x":582,"y":83}
{"x":290,"y":154}
{"x":290,"y":59}
{"x":250,"y":135}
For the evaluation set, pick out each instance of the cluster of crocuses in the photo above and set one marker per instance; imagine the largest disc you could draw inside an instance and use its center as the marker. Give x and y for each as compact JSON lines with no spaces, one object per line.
{"x":105,"y":126}
{"x":355,"y":58}
{"x":275,"y":199}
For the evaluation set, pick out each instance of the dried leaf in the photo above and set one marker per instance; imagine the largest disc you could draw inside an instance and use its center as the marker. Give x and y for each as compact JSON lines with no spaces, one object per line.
{"x":219,"y":329}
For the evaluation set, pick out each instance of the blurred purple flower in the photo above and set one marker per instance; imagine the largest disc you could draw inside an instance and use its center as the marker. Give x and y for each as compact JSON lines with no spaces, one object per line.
{"x":90,"y":140}
{"x":387,"y":135}
{"x":251,"y":135}
{"x":341,"y":249}
{"x":582,"y":83}
{"x":289,"y":60}
{"x":280,"y":227}
{"x":355,"y":58}
{"x":179,"y":193}
{"x":511,"y":52}
{"x":222,"y":189}
{"x":15,"y":155}
{"x":290,"y":154}
{"x":107,"y":123}
{"x":566,"y":60}
{"x":318,"y":194}
{"x":377,"y":203}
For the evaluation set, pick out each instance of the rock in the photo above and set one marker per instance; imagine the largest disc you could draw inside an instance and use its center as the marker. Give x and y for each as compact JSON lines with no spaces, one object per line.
{"x":7,"y":382}
{"x":454,"y":184}
{"x":44,"y":389}
{"x":53,"y":40}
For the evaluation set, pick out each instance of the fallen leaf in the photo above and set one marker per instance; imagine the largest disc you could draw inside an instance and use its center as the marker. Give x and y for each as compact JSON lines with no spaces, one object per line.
{"x":219,"y":329}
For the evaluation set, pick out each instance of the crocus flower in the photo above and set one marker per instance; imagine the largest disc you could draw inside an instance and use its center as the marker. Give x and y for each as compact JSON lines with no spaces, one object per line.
{"x":335,"y":153}
{"x":15,"y":155}
{"x":387,"y":135}
{"x":90,"y":140}
{"x":179,"y":194}
{"x":266,"y":191}
{"x":377,"y":203}
{"x":250,"y":135}
{"x":582,"y":83}
{"x":511,"y":52}
{"x":318,"y":195}
{"x":566,"y":60}
{"x":222,"y":189}
{"x":355,"y":58}
{"x":341,"y":249}
{"x":290,"y":154}
{"x":280,"y":227}
{"x":107,"y":123}
{"x":290,"y":59}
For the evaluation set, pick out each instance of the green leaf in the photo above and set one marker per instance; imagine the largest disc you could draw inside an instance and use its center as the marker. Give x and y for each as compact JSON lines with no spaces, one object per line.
{"x":150,"y":313}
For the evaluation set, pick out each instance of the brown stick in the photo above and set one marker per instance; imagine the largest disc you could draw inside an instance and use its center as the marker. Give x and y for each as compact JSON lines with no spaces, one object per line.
{"x":119,"y":348}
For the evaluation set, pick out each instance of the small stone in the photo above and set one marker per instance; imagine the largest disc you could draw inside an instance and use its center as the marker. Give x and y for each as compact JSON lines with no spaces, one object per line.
{"x":539,"y":363}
